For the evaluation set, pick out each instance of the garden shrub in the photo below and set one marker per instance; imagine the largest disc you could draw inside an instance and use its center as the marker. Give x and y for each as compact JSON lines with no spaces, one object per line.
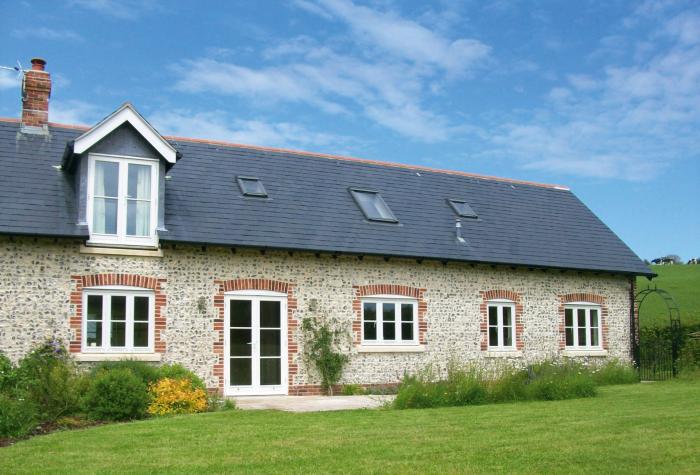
{"x":8,"y":375}
{"x":689,"y":357}
{"x":509,"y":386}
{"x":18,"y":417}
{"x":466,"y":386}
{"x":551,"y":380}
{"x":614,"y":372}
{"x":461,"y":387}
{"x":353,"y":390}
{"x":177,"y":371}
{"x":117,"y":395}
{"x":48,"y":378}
{"x":217,"y":404}
{"x":176,"y":396}
{"x":146,"y":372}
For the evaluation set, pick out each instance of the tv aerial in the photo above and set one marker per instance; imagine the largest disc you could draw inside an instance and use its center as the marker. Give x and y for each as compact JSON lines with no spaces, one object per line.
{"x":18,"y":68}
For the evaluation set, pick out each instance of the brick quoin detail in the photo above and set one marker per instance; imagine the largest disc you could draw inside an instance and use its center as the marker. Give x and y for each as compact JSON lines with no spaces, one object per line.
{"x":582,"y":297}
{"x":488,"y":295}
{"x":81,"y":282}
{"x":388,"y":289}
{"x":224,"y":286}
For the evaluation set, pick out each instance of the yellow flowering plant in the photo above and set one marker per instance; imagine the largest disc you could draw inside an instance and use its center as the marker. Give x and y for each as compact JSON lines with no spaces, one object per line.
{"x":176,"y":396}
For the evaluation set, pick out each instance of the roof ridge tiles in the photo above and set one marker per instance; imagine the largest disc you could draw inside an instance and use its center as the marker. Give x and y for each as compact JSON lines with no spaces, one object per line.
{"x":328,"y":156}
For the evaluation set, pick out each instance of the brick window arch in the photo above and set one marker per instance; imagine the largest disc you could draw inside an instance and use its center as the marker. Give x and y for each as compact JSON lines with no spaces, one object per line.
{"x":583,"y":297}
{"x":361,"y":291}
{"x":489,"y":295}
{"x":224,"y":286}
{"x":81,"y":282}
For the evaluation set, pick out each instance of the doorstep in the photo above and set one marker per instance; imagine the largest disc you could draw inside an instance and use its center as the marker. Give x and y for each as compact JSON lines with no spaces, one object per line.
{"x":311,"y":403}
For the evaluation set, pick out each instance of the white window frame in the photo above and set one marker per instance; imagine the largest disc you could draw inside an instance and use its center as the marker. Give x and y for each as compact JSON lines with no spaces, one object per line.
{"x":129,"y":293}
{"x":500,"y":304}
{"x":121,"y":238}
{"x":587,"y":306}
{"x":380,"y":300}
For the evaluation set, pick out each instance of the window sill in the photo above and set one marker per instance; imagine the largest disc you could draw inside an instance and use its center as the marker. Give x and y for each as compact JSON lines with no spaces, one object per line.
{"x":585,"y":353}
{"x":87,"y":357}
{"x":391,"y":349}
{"x":120,"y":251}
{"x":503,"y":353}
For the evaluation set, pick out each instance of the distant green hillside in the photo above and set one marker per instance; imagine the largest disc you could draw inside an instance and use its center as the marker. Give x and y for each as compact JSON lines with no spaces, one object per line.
{"x":683,"y":283}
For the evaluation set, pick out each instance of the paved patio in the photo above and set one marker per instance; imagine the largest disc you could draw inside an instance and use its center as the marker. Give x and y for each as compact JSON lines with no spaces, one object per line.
{"x":311,"y":403}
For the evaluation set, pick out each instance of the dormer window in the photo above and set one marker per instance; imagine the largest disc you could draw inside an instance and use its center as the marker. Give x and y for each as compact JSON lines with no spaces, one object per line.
{"x":122,"y":208}
{"x":119,"y":179}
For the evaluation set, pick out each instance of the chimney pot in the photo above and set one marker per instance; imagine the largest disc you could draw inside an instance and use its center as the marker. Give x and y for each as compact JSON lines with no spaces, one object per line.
{"x":38,"y":64}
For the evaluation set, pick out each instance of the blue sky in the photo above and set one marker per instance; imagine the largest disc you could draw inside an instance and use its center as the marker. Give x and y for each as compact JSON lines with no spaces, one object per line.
{"x":601,"y":96}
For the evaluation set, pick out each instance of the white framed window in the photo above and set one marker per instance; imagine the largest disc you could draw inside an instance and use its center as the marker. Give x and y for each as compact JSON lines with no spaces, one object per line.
{"x":582,"y":326}
{"x":389,"y":321}
{"x":122,"y":204}
{"x":119,"y":320}
{"x":501,"y":325}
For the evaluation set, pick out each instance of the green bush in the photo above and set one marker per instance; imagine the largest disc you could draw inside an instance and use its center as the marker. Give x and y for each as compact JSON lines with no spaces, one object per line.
{"x":689,"y":358}
{"x":464,"y":386}
{"x":509,"y":386}
{"x":551,"y":380}
{"x":461,"y":387}
{"x":177,"y":371}
{"x":8,"y":375}
{"x":614,"y":372}
{"x":117,"y":395}
{"x":48,"y":378}
{"x":217,"y":404}
{"x":148,"y":373}
{"x":18,"y":417}
{"x":353,"y":390}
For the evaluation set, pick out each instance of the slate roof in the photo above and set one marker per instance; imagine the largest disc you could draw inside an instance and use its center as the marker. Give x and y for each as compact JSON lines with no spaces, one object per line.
{"x":310,"y":208}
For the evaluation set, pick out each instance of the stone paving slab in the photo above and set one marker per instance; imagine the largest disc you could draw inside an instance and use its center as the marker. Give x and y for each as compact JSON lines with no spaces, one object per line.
{"x":311,"y":403}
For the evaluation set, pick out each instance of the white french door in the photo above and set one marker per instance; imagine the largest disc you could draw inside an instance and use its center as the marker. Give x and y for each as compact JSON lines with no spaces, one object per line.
{"x":255,"y":343}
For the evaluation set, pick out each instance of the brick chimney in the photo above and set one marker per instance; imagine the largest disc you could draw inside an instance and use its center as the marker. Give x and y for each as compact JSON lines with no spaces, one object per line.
{"x":36,"y":90}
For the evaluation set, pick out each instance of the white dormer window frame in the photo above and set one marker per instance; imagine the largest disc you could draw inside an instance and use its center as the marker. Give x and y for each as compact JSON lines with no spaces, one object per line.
{"x":123,"y":236}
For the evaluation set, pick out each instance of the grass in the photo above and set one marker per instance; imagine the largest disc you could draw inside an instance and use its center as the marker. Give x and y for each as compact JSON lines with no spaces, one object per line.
{"x":642,"y":428}
{"x":683,"y":283}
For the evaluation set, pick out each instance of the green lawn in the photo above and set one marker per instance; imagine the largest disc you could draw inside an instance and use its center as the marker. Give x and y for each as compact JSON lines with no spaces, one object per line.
{"x":683,"y":283}
{"x":642,"y":428}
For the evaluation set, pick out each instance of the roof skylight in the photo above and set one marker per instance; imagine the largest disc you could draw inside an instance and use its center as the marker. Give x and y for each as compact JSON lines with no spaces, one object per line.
{"x":251,"y":186}
{"x":372,"y":205}
{"x":462,"y":209}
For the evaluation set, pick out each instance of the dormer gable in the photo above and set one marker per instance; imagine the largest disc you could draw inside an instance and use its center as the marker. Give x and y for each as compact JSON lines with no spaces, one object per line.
{"x":126,"y":114}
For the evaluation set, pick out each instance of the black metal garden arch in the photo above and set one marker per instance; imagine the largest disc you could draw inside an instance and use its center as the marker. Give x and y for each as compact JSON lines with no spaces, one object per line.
{"x":653,"y":362}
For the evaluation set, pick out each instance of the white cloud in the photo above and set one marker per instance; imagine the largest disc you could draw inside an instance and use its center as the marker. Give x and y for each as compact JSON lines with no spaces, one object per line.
{"x":399,"y":65}
{"x":75,"y":112}
{"x":389,"y":94}
{"x":8,"y":79}
{"x":217,"y":125}
{"x":629,"y":122}
{"x":121,"y":9}
{"x":44,"y":33}
{"x":404,"y":38}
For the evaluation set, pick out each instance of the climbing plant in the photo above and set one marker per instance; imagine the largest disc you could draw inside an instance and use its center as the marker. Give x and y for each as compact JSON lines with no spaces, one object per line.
{"x":322,"y":338}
